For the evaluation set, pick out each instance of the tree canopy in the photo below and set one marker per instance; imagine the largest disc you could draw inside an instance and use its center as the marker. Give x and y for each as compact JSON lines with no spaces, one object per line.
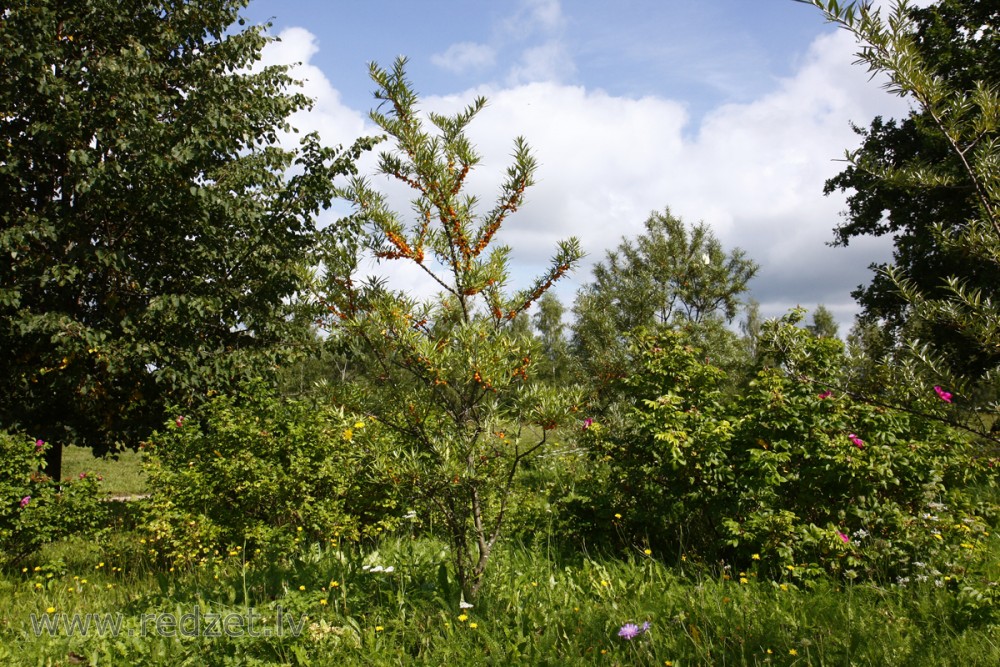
{"x":956,"y":42}
{"x":152,"y":230}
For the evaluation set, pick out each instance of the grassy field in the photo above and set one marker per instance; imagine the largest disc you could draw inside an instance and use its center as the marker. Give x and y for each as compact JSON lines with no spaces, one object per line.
{"x":391,"y":602}
{"x":122,"y":475}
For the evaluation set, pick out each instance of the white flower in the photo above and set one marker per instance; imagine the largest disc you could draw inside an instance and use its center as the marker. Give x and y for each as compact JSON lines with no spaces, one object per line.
{"x":378,"y":568}
{"x":390,"y":569}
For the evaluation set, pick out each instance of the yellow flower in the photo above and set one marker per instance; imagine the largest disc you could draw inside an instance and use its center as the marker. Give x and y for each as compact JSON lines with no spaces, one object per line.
{"x":359,"y":425}
{"x":604,"y":583}
{"x":302,"y":588}
{"x":755,"y":557}
{"x":462,"y":618}
{"x":744,"y":580}
{"x":648,"y":552}
{"x":790,"y":568}
{"x":473,"y":625}
{"x":323,"y":602}
{"x":334,"y":584}
{"x":379,"y":628}
{"x":792,"y":651}
{"x":348,"y":434}
{"x":50,"y":610}
{"x":783,"y":587}
{"x":618,"y":516}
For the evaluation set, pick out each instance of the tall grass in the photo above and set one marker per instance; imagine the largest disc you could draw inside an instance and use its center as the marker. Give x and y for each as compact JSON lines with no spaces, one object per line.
{"x":541,"y":607}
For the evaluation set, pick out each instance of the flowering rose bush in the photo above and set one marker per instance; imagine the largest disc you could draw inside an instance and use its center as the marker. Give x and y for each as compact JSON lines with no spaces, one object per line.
{"x":35,"y":509}
{"x":793,"y":471}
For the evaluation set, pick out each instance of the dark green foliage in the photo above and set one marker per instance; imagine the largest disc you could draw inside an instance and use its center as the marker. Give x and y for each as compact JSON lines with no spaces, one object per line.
{"x":958,"y":43}
{"x":263,"y":472}
{"x":151,"y":228}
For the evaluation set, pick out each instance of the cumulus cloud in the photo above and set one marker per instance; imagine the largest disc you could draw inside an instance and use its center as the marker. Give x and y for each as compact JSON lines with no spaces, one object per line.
{"x":753,"y":171}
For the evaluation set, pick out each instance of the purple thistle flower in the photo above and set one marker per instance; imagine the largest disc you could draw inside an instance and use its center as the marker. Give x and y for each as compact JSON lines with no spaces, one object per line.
{"x":25,"y":501}
{"x":631,"y":630}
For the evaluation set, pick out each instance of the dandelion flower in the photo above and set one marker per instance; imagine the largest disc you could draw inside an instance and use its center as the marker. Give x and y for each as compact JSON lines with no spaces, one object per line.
{"x":755,"y":557}
{"x":792,"y":651}
{"x":462,"y":618}
{"x":473,"y":625}
{"x":50,"y":610}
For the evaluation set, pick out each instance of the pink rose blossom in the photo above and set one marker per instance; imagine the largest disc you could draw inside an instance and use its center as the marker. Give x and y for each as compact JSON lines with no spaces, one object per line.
{"x":942,"y":394}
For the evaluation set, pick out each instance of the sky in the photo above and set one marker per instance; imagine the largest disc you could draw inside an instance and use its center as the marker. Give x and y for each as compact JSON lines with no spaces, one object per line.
{"x":731,"y":112}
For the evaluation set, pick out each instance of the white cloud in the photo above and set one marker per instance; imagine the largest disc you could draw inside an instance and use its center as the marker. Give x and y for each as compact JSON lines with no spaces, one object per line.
{"x":465,"y":57}
{"x":753,"y":171}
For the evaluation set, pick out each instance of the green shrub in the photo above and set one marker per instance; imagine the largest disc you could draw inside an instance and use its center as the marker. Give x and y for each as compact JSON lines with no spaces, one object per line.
{"x":256,"y":471}
{"x":36,"y":509}
{"x":792,"y":477}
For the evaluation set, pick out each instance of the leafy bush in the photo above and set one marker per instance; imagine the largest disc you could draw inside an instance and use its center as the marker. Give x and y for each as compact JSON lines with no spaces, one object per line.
{"x":257,"y":470}
{"x":35,"y":509}
{"x":793,"y":476}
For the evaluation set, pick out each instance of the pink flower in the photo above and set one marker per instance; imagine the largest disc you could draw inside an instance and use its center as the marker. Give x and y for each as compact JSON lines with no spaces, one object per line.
{"x":179,"y":421}
{"x":942,"y":394}
{"x":826,"y":394}
{"x":25,"y":501}
{"x":843,"y":538}
{"x":83,"y":475}
{"x":39,"y":444}
{"x":587,"y":423}
{"x":858,"y":442}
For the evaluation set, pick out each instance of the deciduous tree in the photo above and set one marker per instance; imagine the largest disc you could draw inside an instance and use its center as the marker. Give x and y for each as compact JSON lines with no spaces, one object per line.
{"x":151,"y":228}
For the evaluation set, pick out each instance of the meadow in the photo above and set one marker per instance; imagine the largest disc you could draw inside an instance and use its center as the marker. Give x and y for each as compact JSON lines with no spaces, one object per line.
{"x":393,"y":601}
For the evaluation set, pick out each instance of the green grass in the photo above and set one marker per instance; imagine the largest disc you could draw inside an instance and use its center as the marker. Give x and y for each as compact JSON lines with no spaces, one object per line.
{"x":538,"y":608}
{"x":122,"y":475}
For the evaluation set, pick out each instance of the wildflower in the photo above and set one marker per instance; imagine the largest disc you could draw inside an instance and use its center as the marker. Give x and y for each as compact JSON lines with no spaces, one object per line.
{"x":379,"y":628}
{"x":744,"y":580}
{"x":302,"y":588}
{"x":179,"y":421}
{"x":631,"y":630}
{"x":462,"y":618}
{"x":39,"y":444}
{"x":825,"y":395}
{"x":50,"y":610}
{"x":942,"y":394}
{"x":348,"y":434}
{"x":755,"y":557}
{"x":359,"y":425}
{"x":334,"y":584}
{"x":648,"y":552}
{"x":473,"y":625}
{"x":618,"y":516}
{"x":587,"y":423}
{"x":843,"y":538}
{"x":783,"y":587}
{"x":858,"y":442}
{"x":25,"y":501}
{"x":792,"y":651}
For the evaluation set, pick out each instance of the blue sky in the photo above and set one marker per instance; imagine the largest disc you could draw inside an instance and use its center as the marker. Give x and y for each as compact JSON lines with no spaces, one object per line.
{"x":734,"y":112}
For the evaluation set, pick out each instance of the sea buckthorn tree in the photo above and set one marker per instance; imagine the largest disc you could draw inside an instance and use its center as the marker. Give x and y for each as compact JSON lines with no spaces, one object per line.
{"x":451,"y":375}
